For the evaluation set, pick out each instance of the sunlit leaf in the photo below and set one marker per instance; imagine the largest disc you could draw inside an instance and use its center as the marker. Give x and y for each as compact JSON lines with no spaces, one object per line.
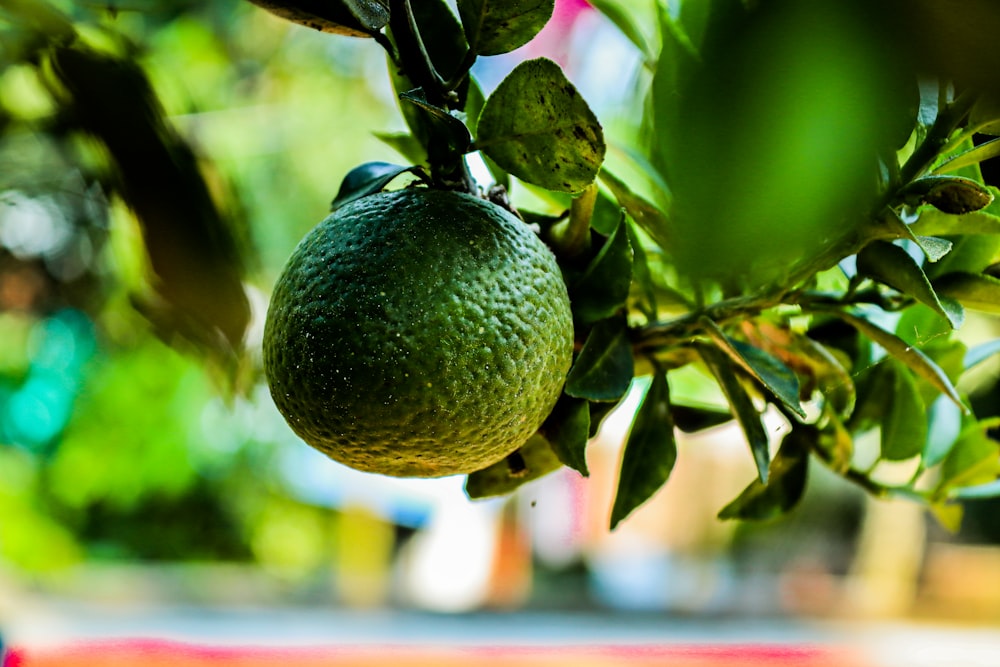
{"x":567,"y":429}
{"x":650,"y":451}
{"x":604,"y":368}
{"x":904,"y":425}
{"x":891,"y":265}
{"x":721,"y":366}
{"x":986,"y":151}
{"x":537,"y":127}
{"x":533,"y":460}
{"x":933,"y":222}
{"x":916,"y":360}
{"x":973,"y":460}
{"x":786,"y":482}
{"x":499,"y":26}
{"x":934,"y":248}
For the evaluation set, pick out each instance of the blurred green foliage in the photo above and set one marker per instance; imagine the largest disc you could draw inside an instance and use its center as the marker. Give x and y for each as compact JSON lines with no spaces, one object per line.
{"x":114,"y":440}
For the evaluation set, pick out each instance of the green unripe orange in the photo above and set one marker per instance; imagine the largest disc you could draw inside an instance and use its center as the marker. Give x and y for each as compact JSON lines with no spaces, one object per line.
{"x":418,"y":333}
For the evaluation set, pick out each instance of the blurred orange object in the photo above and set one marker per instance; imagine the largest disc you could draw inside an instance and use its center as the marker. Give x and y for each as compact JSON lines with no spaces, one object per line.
{"x":156,"y":653}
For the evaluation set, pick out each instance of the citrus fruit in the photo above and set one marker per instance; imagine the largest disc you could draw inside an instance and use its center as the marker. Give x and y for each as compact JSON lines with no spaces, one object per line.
{"x":418,"y":333}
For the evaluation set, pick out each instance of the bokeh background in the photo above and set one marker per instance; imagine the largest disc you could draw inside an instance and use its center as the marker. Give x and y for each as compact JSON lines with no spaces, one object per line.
{"x":140,"y":472}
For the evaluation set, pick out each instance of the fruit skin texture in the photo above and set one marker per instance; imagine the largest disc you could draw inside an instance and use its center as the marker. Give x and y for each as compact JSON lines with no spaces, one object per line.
{"x":418,"y":333}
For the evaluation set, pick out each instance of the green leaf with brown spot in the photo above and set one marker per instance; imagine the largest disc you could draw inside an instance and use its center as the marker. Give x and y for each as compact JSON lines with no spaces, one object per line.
{"x":536,"y":126}
{"x":493,"y":27}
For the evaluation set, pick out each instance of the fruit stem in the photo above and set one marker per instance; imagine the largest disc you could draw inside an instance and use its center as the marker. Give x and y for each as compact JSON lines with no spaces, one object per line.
{"x":571,"y":239}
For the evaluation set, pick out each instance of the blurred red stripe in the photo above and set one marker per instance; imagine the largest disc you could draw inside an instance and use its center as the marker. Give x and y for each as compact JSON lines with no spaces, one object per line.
{"x":156,"y":653}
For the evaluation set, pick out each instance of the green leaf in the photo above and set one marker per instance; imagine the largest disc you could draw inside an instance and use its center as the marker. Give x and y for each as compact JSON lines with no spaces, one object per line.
{"x":787,"y":481}
{"x":364,"y":180}
{"x":916,"y":360}
{"x":633,"y":18}
{"x":976,"y":492}
{"x":775,"y":376}
{"x":604,"y":368}
{"x":981,"y":353}
{"x":451,"y":136}
{"x":933,"y":222}
{"x":743,"y":408}
{"x":650,"y":451}
{"x":537,"y":127}
{"x":405,"y":144}
{"x":986,"y":151}
{"x":904,"y":424}
{"x":599,"y":411}
{"x":493,"y":27}
{"x":691,"y":419}
{"x":534,"y":459}
{"x":604,"y":286}
{"x":832,"y":379}
{"x":891,"y":265}
{"x":976,"y":291}
{"x":985,"y":114}
{"x":567,"y":428}
{"x":358,"y":18}
{"x":649,"y":218}
{"x":973,"y":460}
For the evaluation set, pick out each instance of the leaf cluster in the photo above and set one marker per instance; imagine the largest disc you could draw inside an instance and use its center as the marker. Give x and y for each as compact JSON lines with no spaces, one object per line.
{"x":811,"y":258}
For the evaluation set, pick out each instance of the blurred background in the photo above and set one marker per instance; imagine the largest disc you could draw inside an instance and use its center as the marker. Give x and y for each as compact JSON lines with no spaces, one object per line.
{"x":144,"y":467}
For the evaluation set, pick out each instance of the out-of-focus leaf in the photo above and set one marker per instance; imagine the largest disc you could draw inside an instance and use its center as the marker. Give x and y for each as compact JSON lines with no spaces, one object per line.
{"x":493,"y":27}
{"x":537,"y":127}
{"x":972,"y":461}
{"x":721,"y":366}
{"x":634,"y":19}
{"x":567,"y":429}
{"x":775,"y":376}
{"x":651,"y":219}
{"x":604,"y":368}
{"x":364,"y":180}
{"x":904,"y":425}
{"x":976,"y":291}
{"x":786,"y":482}
{"x":359,"y":18}
{"x":535,"y":459}
{"x":191,"y":246}
{"x":977,"y":492}
{"x":691,"y":419}
{"x":891,"y":265}
{"x":604,"y":286}
{"x":835,"y":444}
{"x":650,"y":451}
{"x":916,"y":360}
{"x":405,"y":144}
{"x":980,"y":353}
{"x":986,"y":151}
